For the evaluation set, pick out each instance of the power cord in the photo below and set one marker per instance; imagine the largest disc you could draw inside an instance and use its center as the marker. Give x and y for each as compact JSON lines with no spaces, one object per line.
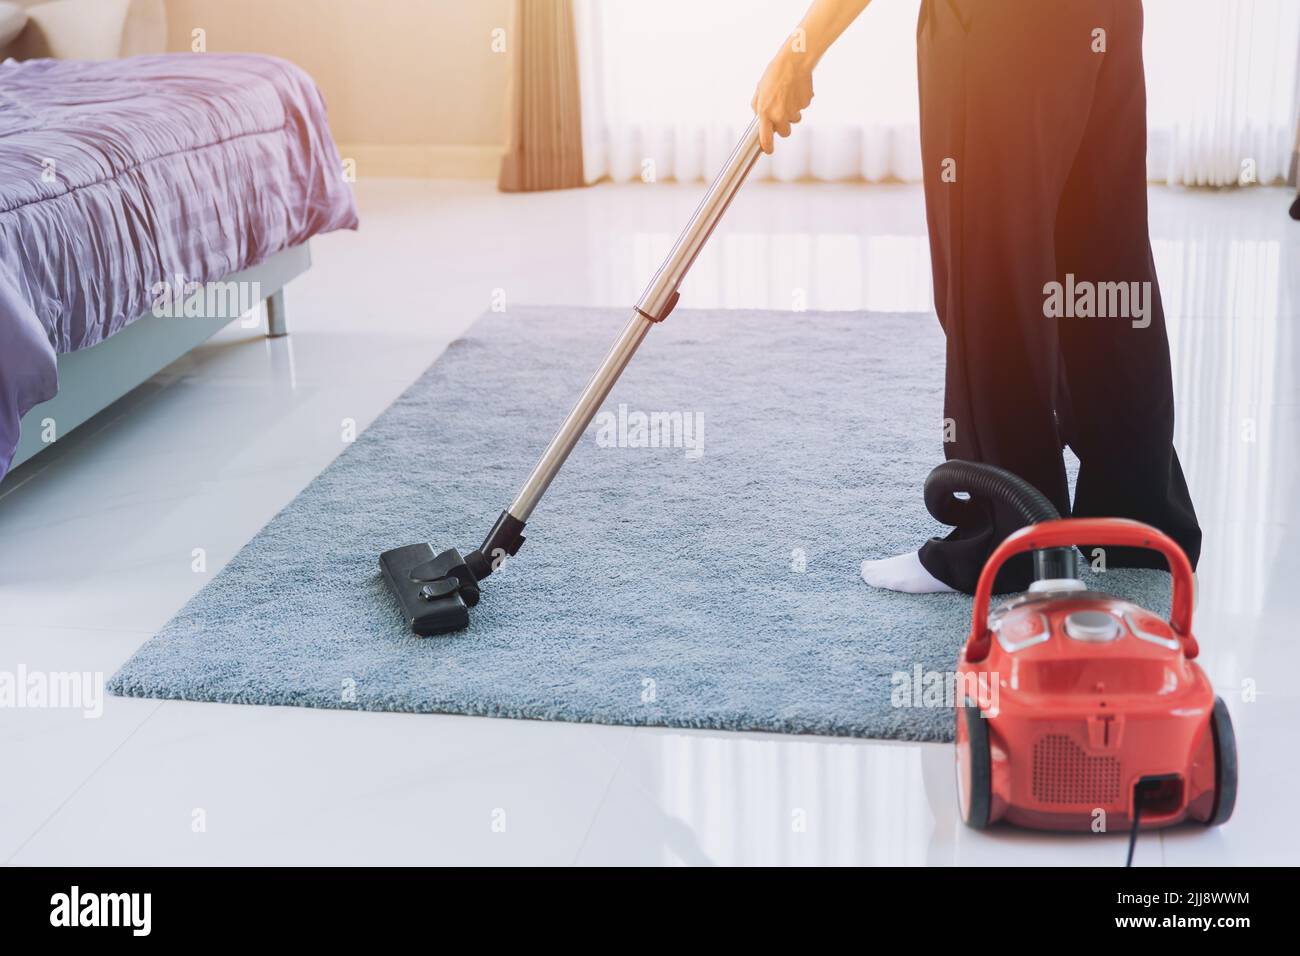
{"x":1145,"y":786}
{"x":1133,"y":832}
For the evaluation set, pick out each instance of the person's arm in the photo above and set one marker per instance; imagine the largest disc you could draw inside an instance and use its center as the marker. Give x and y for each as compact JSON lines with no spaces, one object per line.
{"x":786,"y":87}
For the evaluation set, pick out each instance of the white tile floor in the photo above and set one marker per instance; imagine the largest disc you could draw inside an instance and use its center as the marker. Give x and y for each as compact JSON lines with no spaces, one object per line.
{"x":98,"y":535}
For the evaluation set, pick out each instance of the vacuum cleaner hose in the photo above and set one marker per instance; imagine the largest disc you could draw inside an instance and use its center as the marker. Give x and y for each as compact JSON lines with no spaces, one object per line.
{"x":990,"y":483}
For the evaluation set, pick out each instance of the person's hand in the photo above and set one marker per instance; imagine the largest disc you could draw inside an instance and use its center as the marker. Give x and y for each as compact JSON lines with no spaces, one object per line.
{"x":783,"y":94}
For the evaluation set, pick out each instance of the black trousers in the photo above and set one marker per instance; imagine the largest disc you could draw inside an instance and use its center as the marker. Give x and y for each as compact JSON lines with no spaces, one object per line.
{"x":1033,"y":138}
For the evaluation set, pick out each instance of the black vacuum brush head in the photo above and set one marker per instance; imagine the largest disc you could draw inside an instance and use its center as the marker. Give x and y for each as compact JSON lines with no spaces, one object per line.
{"x":437,"y":591}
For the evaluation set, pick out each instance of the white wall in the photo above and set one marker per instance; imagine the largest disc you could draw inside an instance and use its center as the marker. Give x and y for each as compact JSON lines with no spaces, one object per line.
{"x":413,"y":86}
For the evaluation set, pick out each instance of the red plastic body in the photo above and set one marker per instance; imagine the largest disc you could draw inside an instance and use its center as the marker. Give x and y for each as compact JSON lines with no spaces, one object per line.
{"x":1073,"y":724}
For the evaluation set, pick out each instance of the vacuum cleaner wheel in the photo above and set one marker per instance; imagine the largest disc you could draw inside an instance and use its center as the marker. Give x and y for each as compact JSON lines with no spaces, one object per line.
{"x":974,"y":767}
{"x":1225,"y":764}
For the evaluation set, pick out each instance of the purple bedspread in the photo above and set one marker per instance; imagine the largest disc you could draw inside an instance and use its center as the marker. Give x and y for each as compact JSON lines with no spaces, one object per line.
{"x":116,"y":176}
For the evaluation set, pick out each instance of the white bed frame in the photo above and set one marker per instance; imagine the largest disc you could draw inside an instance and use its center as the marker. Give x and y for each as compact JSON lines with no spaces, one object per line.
{"x":92,"y":379}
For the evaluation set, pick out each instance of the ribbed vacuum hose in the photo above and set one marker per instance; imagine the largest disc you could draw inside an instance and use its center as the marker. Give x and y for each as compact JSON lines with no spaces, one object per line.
{"x":983,"y":481}
{"x":990,"y":483}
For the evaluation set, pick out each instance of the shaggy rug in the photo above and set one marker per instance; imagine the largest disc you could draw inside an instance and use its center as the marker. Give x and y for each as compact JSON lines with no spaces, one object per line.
{"x":696,"y":564}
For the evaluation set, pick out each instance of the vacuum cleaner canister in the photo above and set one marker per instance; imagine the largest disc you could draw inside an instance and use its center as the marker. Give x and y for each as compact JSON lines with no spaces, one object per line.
{"x":1082,"y":711}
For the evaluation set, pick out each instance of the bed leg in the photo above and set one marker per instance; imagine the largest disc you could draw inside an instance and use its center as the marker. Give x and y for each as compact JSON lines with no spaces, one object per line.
{"x":277,"y":324}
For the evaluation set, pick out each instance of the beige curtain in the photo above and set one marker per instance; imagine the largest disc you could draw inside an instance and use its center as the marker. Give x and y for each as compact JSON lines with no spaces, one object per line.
{"x":545,"y":149}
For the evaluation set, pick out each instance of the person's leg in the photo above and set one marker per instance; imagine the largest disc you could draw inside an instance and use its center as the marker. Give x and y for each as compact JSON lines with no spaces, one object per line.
{"x":1116,"y":368}
{"x":941,"y":119}
{"x":1006,"y":91}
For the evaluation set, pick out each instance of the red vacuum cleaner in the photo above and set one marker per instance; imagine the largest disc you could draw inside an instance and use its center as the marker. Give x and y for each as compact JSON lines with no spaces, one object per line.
{"x":1099,"y":716}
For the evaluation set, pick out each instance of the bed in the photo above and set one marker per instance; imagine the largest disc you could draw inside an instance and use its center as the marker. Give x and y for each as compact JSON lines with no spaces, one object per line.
{"x":144,"y":204}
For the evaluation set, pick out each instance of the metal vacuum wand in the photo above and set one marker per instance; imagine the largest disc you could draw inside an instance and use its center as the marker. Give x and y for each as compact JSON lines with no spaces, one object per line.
{"x":437,"y":591}
{"x":654,"y":305}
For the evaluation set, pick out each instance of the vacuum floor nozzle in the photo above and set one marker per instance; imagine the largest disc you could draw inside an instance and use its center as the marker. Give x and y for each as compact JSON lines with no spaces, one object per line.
{"x":435,"y":591}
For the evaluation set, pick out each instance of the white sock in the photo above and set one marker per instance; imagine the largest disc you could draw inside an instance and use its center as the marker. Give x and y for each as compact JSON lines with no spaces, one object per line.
{"x":903,"y":573}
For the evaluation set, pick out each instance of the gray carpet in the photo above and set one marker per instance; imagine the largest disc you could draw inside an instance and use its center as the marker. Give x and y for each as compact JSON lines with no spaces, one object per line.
{"x":655,"y":587}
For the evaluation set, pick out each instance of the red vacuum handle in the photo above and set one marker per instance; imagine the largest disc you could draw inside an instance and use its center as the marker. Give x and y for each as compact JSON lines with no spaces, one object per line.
{"x":1071,"y":531}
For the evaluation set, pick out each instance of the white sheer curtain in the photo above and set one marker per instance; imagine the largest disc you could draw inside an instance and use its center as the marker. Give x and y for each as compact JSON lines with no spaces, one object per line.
{"x":1221,"y":89}
{"x":666,"y":88}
